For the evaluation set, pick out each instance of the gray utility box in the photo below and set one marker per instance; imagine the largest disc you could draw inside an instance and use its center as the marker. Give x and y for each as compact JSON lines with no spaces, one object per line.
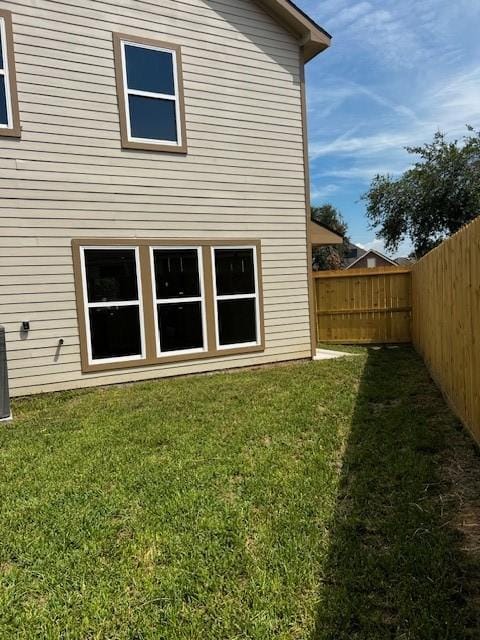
{"x":4,"y":394}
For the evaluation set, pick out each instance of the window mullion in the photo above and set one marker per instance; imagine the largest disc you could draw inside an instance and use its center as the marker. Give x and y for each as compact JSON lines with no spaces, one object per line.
{"x":245,"y":296}
{"x":147,"y":302}
{"x":114,"y":303}
{"x":177,"y":300}
{"x":150,"y":94}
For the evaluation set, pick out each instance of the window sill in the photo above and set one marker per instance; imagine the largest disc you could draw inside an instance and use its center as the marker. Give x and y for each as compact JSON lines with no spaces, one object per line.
{"x":13,"y":132}
{"x":154,"y":146}
{"x":155,"y":362}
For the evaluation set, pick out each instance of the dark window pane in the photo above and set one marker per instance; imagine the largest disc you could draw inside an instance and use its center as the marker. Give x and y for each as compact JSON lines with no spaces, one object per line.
{"x":2,"y":65}
{"x":3,"y":102}
{"x":111,"y":275}
{"x":180,"y":326}
{"x":115,"y":332}
{"x":176,"y":273}
{"x":235,"y":271}
{"x":152,"y":118}
{"x":149,"y":70}
{"x":237,"y":321}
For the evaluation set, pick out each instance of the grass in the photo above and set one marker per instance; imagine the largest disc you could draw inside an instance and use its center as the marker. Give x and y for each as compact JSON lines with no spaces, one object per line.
{"x":307,"y":501}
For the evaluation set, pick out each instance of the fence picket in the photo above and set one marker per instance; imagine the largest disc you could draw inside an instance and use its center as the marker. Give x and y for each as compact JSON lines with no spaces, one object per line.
{"x":363,"y":305}
{"x":446,"y":320}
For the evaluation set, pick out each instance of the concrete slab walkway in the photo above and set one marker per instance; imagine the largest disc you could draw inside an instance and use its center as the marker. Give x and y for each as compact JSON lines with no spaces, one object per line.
{"x":326,"y":354}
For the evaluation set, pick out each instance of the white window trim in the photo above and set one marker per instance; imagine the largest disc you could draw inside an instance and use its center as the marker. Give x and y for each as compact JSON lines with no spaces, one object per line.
{"x":157,"y":301}
{"x":124,"y":303}
{"x":175,"y":98}
{"x":6,"y":74}
{"x":242,"y":296}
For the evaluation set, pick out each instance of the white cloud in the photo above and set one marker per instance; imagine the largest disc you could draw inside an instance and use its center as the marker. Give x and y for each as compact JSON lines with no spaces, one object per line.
{"x":347,"y":15}
{"x":397,"y":73}
{"x":455,"y":101}
{"x":399,"y":35}
{"x":448,"y":105}
{"x":382,"y":31}
{"x":365,"y":173}
{"x":377,"y":244}
{"x":360,"y":146}
{"x":327,"y":8}
{"x":325,"y":100}
{"x":323,"y":192}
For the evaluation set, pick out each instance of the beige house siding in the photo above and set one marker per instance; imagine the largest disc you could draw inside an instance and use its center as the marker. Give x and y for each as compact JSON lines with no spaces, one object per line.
{"x":67,"y":177}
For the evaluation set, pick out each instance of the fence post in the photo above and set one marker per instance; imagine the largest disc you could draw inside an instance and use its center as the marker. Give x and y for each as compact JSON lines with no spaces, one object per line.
{"x":5,"y":413}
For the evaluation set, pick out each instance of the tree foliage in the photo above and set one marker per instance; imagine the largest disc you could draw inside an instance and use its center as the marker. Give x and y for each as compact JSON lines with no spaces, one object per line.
{"x":331,"y":217}
{"x":433,"y":199}
{"x":330,"y":257}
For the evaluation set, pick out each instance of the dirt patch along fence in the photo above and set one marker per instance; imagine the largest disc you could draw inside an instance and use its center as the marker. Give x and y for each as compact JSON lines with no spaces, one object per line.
{"x":363,"y":306}
{"x":446,"y":320}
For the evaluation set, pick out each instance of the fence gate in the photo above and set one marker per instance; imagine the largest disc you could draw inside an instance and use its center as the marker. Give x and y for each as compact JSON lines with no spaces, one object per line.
{"x":364,"y":305}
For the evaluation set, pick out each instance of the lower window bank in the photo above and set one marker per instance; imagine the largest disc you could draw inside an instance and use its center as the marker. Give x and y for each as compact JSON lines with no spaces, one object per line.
{"x":148,"y":302}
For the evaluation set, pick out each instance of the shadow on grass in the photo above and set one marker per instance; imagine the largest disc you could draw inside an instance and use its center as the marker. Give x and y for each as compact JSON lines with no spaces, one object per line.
{"x":400,"y":565}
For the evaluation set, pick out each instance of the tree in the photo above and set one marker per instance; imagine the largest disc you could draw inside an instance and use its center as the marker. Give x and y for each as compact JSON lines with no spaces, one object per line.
{"x":331,"y":217}
{"x":433,"y":199}
{"x":330,"y":257}
{"x":327,"y":258}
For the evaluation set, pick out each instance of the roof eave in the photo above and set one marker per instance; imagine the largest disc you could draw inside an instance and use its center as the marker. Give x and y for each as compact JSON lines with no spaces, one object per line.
{"x":325,"y":226}
{"x":312,"y":48}
{"x":313,"y":38}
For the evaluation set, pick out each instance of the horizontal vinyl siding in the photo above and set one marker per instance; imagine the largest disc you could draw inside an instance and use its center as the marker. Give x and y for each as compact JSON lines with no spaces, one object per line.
{"x":68,"y":177}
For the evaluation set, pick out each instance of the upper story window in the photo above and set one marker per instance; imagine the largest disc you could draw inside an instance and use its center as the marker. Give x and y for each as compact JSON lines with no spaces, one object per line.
{"x":150,"y":94}
{"x":9,"y":116}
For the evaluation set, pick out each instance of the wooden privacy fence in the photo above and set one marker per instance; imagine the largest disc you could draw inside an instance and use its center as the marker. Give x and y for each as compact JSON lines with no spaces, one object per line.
{"x":446,"y":320}
{"x":363,"y":305}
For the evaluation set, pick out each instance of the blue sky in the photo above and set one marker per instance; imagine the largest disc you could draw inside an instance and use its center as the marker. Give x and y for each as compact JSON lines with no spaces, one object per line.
{"x":398,"y":70}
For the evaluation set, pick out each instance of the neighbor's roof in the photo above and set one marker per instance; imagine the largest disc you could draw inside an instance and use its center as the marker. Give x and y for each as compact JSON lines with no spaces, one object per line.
{"x":375,"y":253}
{"x":312,"y":37}
{"x":404,"y":261}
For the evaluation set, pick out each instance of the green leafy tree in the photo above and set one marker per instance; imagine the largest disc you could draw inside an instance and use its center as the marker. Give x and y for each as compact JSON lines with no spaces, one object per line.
{"x":433,"y":199}
{"x":330,"y":257}
{"x":331,"y":217}
{"x":327,"y":258}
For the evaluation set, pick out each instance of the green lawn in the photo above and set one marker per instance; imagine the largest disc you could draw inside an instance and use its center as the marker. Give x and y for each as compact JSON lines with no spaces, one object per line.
{"x":306,"y":501}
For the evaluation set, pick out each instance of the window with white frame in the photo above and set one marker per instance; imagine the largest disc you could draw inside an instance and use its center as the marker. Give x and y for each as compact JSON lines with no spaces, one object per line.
{"x":236,"y":296}
{"x":9,"y":117}
{"x":151,"y":94}
{"x":146,"y":302}
{"x":113,"y":307}
{"x":179,"y":300}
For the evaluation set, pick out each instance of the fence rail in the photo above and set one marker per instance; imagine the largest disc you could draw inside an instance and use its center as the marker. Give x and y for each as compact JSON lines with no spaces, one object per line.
{"x":363,"y":306}
{"x":436,"y":304}
{"x":446,"y":320}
